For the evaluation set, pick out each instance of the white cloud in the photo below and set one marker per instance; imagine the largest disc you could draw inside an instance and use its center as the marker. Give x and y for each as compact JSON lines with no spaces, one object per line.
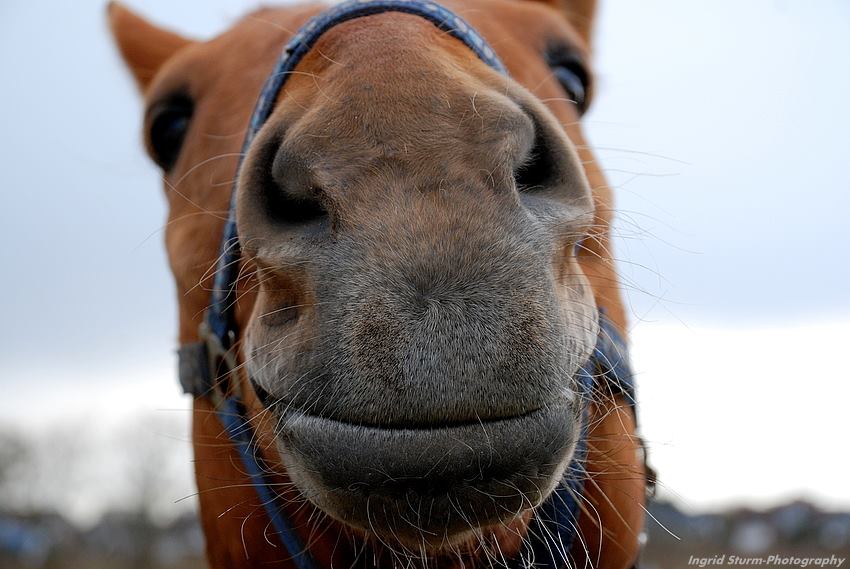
{"x":752,"y":415}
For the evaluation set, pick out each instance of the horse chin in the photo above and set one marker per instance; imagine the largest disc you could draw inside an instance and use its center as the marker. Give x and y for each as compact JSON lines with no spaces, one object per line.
{"x":430,"y":488}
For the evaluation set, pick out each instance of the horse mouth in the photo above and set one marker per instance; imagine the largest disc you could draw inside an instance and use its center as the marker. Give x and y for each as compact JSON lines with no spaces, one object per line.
{"x":429,"y":486}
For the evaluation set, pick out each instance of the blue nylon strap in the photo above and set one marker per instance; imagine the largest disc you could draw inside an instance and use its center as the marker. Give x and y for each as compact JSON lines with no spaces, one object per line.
{"x":611,"y":358}
{"x":555,"y":524}
{"x":554,"y":527}
{"x":234,"y":418}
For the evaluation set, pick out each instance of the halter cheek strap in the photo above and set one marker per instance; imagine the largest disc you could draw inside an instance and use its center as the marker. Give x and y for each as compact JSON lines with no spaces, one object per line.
{"x":207,"y":368}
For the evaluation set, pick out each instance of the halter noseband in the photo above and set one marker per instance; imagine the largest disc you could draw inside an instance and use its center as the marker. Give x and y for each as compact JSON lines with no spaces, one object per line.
{"x":207,"y":368}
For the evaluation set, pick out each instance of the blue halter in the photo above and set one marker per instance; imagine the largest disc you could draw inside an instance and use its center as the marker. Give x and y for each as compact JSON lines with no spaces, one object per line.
{"x":206,"y":366}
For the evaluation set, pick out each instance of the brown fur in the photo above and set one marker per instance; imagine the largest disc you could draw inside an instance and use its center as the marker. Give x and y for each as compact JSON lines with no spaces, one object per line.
{"x":197,"y":193}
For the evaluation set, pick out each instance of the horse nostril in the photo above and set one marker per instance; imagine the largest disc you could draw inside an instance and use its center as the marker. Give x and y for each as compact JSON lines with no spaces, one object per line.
{"x":291,"y":196}
{"x":293,"y":209}
{"x":264,"y":396}
{"x":550,"y":180}
{"x":539,"y":169}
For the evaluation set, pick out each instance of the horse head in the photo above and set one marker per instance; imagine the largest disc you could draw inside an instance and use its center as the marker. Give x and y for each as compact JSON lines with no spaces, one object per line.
{"x":424,"y":245}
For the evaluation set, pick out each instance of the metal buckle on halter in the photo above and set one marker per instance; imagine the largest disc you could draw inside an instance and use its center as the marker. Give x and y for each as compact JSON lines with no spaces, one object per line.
{"x":222,"y":364}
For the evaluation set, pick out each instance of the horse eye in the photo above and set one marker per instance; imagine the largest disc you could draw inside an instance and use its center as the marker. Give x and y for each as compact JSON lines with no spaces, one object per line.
{"x":571,"y":73}
{"x":169,"y":121}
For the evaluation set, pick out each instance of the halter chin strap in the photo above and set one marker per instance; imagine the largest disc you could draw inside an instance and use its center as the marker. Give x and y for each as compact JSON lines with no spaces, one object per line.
{"x":207,"y":368}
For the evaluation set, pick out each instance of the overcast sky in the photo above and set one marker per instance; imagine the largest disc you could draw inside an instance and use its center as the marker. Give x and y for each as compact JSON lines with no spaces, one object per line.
{"x":724,"y":127}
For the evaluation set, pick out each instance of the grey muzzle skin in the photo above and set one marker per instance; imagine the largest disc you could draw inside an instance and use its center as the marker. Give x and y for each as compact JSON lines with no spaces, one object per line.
{"x":431,"y":391}
{"x":426,"y":385}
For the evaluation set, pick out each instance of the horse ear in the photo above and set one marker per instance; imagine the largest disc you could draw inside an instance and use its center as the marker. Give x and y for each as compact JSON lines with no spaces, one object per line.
{"x":144,"y":46}
{"x":580,"y":14}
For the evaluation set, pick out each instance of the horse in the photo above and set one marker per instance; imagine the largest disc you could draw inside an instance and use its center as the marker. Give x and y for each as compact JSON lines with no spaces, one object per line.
{"x":422,"y":271}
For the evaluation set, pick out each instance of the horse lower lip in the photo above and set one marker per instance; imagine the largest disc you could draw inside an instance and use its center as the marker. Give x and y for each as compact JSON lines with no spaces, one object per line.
{"x":490,"y":471}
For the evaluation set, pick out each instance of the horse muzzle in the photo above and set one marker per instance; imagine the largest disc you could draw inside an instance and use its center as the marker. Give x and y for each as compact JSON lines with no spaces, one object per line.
{"x":429,"y":486}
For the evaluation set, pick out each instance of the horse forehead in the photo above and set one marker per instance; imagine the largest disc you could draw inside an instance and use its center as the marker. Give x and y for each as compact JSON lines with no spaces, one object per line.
{"x":396,"y":85}
{"x":389,"y":52}
{"x":371,"y":101}
{"x":379,"y":50}
{"x":261,"y":34}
